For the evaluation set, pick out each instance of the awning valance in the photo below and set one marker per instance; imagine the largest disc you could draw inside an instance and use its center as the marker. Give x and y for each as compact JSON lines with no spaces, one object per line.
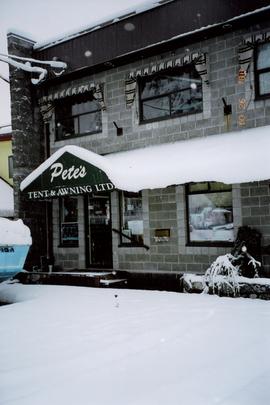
{"x":236,"y":157}
{"x":246,"y":49}
{"x":46,"y":103}
{"x":198,"y":59}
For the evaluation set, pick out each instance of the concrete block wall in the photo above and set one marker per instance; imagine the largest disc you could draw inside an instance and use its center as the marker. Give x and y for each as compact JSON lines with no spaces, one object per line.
{"x":167,"y":207}
{"x":255,"y":201}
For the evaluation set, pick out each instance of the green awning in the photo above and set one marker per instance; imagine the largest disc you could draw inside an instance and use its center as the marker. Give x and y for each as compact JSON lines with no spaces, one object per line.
{"x":66,"y":175}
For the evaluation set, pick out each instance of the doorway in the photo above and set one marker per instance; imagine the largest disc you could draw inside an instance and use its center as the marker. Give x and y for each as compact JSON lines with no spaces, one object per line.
{"x":98,"y":231}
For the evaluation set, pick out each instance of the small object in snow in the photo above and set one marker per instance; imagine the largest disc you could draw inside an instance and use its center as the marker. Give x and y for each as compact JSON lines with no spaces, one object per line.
{"x":116,"y":300}
{"x":244,"y":248}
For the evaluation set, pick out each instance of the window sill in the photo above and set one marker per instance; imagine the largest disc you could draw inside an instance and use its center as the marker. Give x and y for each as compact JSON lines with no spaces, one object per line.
{"x":209,"y":244}
{"x":68,"y":246}
{"x":130,"y":245}
{"x":261,"y":97}
{"x":171,"y":117}
{"x":77,"y":136}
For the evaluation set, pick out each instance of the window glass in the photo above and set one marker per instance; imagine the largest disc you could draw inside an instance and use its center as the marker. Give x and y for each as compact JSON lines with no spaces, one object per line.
{"x":263,"y":60}
{"x":262,"y":71}
{"x":170,"y":93}
{"x":210,"y":216}
{"x":264,"y":83}
{"x":69,"y":235}
{"x":90,"y":123}
{"x":131,"y":218}
{"x":158,"y":107}
{"x":77,"y":116}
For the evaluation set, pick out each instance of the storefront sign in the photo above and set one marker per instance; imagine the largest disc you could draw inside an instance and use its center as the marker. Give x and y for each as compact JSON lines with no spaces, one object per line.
{"x":6,"y":249}
{"x":63,"y":191}
{"x":68,"y":175}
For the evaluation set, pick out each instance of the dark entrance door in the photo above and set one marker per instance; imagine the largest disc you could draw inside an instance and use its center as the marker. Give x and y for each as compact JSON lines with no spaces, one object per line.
{"x":99,"y":235}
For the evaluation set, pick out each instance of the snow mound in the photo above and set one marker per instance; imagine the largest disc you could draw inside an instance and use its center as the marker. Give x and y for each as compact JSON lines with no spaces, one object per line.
{"x":14,"y":232}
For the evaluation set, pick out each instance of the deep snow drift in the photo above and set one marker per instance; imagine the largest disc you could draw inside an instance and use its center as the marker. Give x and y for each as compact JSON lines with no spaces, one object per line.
{"x":75,"y":345}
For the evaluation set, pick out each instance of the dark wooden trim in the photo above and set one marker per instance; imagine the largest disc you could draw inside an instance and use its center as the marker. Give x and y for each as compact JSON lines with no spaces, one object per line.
{"x":86,"y":230}
{"x":184,"y":29}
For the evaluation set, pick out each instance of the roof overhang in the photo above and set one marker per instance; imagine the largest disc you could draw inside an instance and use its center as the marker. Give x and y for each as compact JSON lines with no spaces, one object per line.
{"x":235,"y":157}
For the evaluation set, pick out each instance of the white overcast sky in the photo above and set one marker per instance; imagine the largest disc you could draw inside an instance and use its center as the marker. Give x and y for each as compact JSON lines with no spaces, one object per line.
{"x":44,"y":19}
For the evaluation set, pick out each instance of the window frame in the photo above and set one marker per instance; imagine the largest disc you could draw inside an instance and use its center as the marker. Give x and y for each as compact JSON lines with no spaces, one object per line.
{"x":72,"y":244}
{"x":10,"y":166}
{"x":178,"y":70}
{"x":258,"y":72}
{"x":130,"y":244}
{"x":206,"y":243}
{"x":71,"y":101}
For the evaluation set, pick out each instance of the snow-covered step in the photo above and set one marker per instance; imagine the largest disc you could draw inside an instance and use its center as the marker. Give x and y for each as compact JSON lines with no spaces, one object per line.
{"x":108,"y":282}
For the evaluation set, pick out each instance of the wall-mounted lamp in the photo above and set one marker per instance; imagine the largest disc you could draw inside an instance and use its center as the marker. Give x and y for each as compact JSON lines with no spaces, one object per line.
{"x":227,"y":113}
{"x":227,"y":107}
{"x":119,"y":131}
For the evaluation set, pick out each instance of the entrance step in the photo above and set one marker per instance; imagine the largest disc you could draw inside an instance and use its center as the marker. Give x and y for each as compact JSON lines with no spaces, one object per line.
{"x":117,"y":282}
{"x":93,"y":278}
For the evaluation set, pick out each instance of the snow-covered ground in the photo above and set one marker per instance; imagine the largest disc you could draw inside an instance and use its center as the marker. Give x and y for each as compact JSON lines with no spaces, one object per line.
{"x":75,"y":345}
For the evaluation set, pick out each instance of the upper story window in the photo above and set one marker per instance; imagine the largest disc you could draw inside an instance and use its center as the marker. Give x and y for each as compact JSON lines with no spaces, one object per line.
{"x":77,"y":116}
{"x":210,"y":214}
{"x":170,"y":93}
{"x":262,"y":70}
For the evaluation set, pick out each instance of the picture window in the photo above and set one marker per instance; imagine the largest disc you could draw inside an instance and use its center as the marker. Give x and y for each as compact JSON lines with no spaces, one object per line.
{"x":131,"y":219}
{"x":210,"y":214}
{"x":170,"y":93}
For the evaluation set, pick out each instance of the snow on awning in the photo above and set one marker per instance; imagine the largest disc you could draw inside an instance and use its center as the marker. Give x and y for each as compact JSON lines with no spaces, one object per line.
{"x":69,"y":171}
{"x":236,"y":157}
{"x":6,"y":200}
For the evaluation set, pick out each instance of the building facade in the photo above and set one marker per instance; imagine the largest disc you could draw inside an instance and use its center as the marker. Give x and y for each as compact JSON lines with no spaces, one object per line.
{"x":135,"y":83}
{"x":6,"y":173}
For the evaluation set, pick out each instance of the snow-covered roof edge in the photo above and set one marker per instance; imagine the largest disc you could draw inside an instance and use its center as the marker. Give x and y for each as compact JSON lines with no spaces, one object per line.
{"x":234,"y":157}
{"x":5,"y":130}
{"x":39,"y":46}
{"x":110,"y":19}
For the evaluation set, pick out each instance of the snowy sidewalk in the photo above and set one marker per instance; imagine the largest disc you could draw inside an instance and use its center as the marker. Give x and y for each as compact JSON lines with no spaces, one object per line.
{"x":75,"y":345}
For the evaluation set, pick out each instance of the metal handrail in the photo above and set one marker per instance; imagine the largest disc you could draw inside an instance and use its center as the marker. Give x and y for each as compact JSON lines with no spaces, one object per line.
{"x":128,"y":237}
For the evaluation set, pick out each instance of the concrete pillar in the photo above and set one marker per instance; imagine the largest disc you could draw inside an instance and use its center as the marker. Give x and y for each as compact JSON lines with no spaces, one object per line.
{"x":27,"y":146}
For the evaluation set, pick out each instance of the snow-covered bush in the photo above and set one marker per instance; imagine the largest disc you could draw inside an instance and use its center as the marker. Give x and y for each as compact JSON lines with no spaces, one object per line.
{"x":222,"y":277}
